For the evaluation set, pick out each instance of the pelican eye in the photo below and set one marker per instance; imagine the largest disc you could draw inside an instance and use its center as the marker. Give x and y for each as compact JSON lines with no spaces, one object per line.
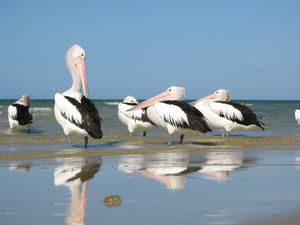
{"x":82,"y":55}
{"x":169,"y":89}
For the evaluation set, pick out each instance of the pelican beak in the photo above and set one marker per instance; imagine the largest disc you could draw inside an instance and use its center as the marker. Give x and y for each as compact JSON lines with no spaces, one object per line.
{"x":19,"y":100}
{"x":213,"y":96}
{"x":151,"y":101}
{"x":80,"y":66}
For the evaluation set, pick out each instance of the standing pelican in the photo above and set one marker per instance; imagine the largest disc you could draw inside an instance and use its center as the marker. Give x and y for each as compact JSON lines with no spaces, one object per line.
{"x":19,"y":113}
{"x":74,"y":111}
{"x":297,"y":116}
{"x":221,"y":113}
{"x":167,"y":111}
{"x":133,"y":119}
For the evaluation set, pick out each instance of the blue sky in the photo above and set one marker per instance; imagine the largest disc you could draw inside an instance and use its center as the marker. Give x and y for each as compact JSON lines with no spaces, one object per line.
{"x":251,"y":48}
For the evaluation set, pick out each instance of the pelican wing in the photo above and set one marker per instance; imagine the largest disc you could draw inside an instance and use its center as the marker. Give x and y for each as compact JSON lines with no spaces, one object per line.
{"x":140,"y":115}
{"x":181,"y":114}
{"x":136,"y":115}
{"x":20,"y":113}
{"x":12,"y":112}
{"x":68,"y":109}
{"x":297,"y":114}
{"x":235,"y":112}
{"x":91,"y":119}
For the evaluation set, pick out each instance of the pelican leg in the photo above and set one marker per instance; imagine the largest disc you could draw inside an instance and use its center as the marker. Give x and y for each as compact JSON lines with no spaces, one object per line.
{"x":86,"y":139}
{"x":68,"y":138}
{"x":144,"y":134}
{"x":29,"y":131}
{"x":227,"y":134}
{"x":181,"y":138}
{"x":130,"y":134}
{"x":170,"y":139}
{"x":223,"y":133}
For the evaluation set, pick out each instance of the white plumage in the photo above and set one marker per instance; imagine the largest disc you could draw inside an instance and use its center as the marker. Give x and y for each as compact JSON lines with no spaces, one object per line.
{"x":12,"y":113}
{"x":167,"y":111}
{"x":74,"y":111}
{"x":19,"y":113}
{"x":224,"y":115}
{"x":169,"y":117}
{"x":63,"y":106}
{"x":297,"y":116}
{"x":133,"y":119}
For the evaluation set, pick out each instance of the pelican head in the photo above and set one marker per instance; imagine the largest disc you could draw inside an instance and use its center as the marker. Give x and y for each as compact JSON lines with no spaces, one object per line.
{"x":130,"y":99}
{"x":172,"y":93}
{"x":219,"y":95}
{"x":25,"y":100}
{"x":222,"y":95}
{"x":75,"y":62}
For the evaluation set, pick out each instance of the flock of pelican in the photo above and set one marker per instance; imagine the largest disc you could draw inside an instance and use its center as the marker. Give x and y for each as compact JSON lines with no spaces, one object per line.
{"x":77,"y":114}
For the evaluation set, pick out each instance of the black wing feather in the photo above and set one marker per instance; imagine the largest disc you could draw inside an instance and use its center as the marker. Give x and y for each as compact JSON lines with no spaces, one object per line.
{"x":144,"y":118}
{"x":195,"y":118}
{"x":249,"y":117}
{"x":23,"y":116}
{"x":91,"y":121}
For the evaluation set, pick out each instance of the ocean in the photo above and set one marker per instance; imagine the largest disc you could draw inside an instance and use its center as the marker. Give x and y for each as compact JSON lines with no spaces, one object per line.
{"x":248,"y":178}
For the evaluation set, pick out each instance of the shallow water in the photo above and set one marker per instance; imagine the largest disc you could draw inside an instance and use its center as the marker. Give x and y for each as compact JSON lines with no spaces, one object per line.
{"x":168,"y":187}
{"x":246,"y":178}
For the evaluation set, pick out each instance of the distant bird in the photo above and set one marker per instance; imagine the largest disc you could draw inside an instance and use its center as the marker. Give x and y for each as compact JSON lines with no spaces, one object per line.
{"x":137,"y":119}
{"x":19,"y":113}
{"x":222,"y":114}
{"x":297,"y":116}
{"x":74,"y":111}
{"x":167,"y":111}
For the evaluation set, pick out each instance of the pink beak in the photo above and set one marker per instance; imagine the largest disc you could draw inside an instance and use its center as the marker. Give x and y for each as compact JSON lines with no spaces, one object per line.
{"x":151,"y":101}
{"x":212,"y":96}
{"x":79,"y":62}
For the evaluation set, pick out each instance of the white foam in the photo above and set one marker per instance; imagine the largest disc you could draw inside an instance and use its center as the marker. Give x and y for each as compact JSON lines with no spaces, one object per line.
{"x":41,"y":109}
{"x":112,"y":103}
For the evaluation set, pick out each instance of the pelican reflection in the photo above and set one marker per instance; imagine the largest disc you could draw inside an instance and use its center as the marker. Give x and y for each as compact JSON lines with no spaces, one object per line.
{"x":75,"y":174}
{"x":167,"y":168}
{"x":219,"y":165}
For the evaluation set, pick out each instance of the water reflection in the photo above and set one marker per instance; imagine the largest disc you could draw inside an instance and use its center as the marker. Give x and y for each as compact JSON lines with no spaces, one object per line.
{"x":168,"y":168}
{"x":171,"y":168}
{"x":74,"y":174}
{"x":219,"y":165}
{"x":23,"y":167}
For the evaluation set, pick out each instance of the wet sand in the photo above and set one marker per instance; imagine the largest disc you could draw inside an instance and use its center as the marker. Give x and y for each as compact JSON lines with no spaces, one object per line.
{"x":206,"y":180}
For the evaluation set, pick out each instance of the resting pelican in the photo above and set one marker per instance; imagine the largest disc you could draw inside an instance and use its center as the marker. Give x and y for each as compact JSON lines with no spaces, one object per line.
{"x":221,"y":113}
{"x":297,"y":116}
{"x":74,"y":111}
{"x":134,"y":119}
{"x":19,"y":113}
{"x":167,"y":111}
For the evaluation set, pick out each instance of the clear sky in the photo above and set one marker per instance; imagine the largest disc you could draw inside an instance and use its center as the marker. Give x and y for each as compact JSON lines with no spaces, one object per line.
{"x":251,"y":48}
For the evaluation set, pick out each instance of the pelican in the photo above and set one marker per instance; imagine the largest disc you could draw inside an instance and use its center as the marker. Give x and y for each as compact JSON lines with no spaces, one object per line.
{"x":222,"y":114}
{"x":167,"y":111}
{"x":74,"y":111}
{"x":19,"y":113}
{"x":133,"y":119}
{"x":297,"y":116}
